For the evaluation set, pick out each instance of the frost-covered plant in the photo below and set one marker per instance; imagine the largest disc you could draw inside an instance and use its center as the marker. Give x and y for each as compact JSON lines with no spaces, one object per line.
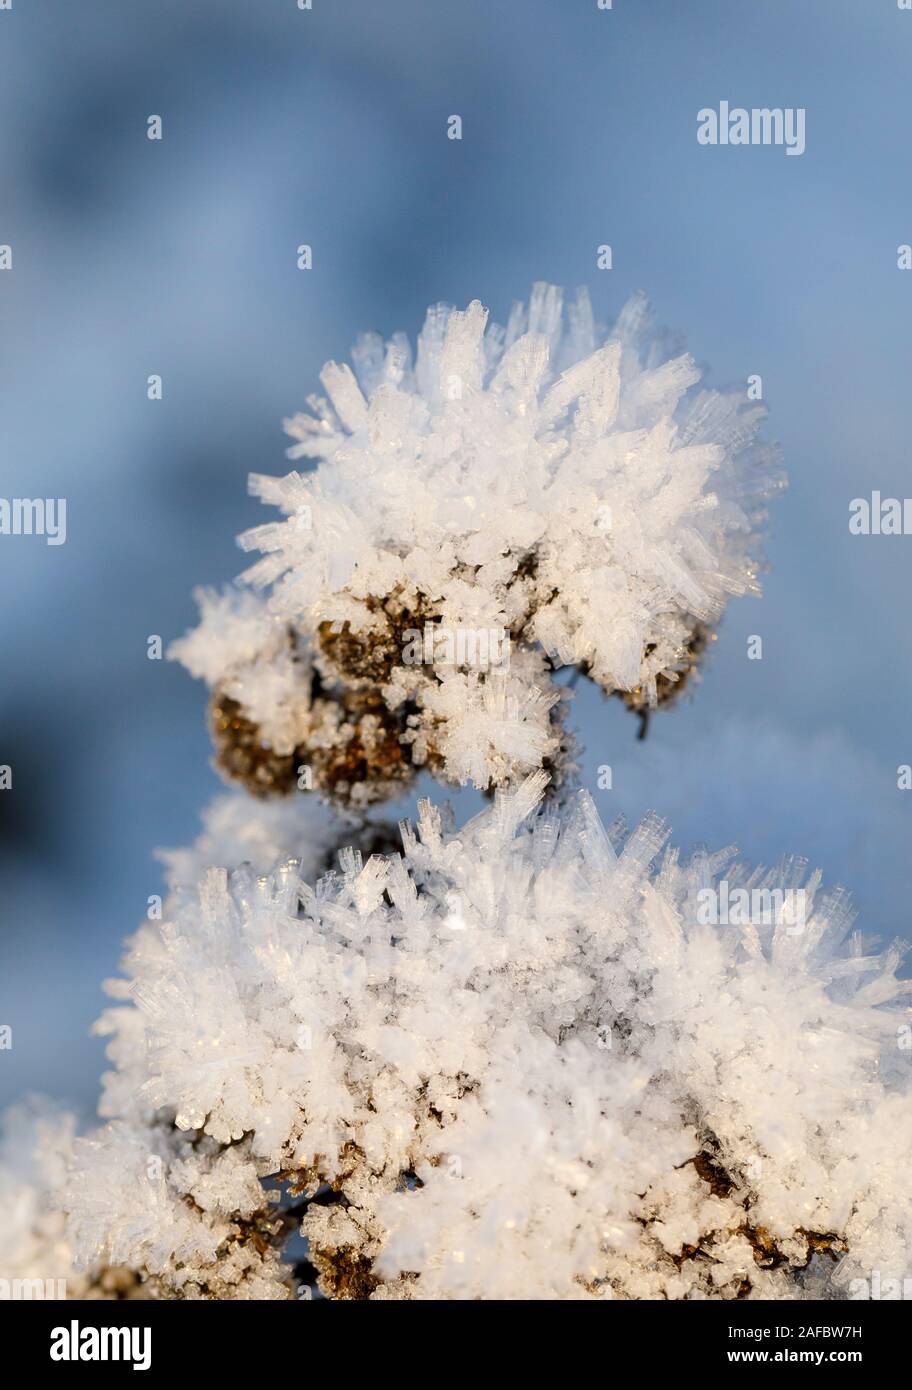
{"x":527,"y":1057}
{"x":34,"y":1251}
{"x":512,"y":501}
{"x":512,"y":1062}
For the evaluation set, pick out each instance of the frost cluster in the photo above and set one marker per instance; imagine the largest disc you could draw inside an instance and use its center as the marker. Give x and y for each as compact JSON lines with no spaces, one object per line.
{"x":527,"y":1058}
{"x":35,"y":1146}
{"x":512,"y":1062}
{"x":234,"y":832}
{"x":510,"y":501}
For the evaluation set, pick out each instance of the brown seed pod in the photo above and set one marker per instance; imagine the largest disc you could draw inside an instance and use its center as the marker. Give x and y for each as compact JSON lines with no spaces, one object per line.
{"x":345,"y":1273}
{"x":371,"y":657}
{"x":241,"y":754}
{"x":365,"y":759}
{"x":356,"y":755}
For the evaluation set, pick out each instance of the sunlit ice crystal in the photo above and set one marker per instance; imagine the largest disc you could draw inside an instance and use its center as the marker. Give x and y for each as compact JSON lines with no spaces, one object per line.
{"x":524,"y":1033}
{"x":572,"y":489}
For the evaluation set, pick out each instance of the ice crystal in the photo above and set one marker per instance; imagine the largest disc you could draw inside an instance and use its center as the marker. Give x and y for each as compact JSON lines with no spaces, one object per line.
{"x":35,"y":1146}
{"x":527,"y":1057}
{"x":570,"y":495}
{"x":525,"y":1061}
{"x":260,"y":833}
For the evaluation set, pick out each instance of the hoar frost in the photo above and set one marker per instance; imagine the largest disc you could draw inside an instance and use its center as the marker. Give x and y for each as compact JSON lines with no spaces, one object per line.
{"x":516,"y":1059}
{"x":518,"y":1063}
{"x":559,"y":494}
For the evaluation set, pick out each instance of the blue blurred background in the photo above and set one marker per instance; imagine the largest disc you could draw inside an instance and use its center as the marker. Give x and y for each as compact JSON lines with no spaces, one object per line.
{"x":328,"y":127}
